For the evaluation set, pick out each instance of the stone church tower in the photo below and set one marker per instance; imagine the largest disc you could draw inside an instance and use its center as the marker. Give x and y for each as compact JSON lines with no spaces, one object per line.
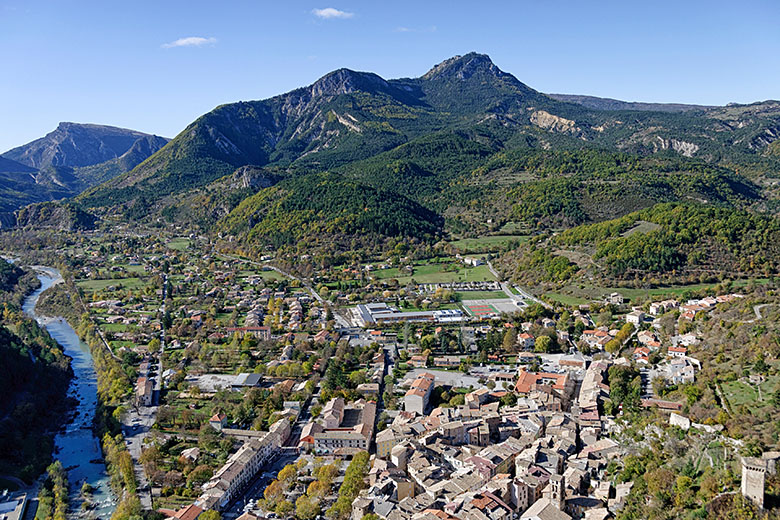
{"x":558,"y":492}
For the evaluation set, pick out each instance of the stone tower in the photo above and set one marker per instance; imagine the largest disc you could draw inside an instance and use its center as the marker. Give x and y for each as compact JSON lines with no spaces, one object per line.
{"x":753,"y":479}
{"x":558,"y":492}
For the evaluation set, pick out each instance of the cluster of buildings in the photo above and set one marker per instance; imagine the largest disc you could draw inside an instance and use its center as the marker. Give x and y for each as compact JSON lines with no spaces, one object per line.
{"x":542,"y":458}
{"x":368,"y":314}
{"x":340,"y":430}
{"x":689,"y":309}
{"x":144,"y":385}
{"x":260,"y":449}
{"x":12,"y":505}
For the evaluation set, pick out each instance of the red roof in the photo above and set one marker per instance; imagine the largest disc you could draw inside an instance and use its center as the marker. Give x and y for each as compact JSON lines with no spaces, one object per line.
{"x":527,"y":380}
{"x":191,"y":512}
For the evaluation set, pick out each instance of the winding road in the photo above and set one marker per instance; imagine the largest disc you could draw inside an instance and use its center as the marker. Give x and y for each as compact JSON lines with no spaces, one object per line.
{"x":757,"y":311}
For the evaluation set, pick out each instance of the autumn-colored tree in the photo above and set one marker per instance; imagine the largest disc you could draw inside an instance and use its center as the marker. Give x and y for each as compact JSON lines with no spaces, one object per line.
{"x":307,"y":507}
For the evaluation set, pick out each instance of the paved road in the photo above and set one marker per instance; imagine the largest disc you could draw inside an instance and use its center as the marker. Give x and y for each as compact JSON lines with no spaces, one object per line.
{"x":139,"y":420}
{"x":524,"y":295}
{"x":512,"y":296}
{"x":258,"y":485}
{"x":493,"y":271}
{"x":528,"y":296}
{"x":136,"y":427}
{"x":757,"y":311}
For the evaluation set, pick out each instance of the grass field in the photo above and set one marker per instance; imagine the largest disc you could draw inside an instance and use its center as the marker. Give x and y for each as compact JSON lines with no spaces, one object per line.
{"x":739,"y":393}
{"x":642,"y":226}
{"x":114,"y":327}
{"x":116,"y":344}
{"x":99,"y":285}
{"x":435,"y":273}
{"x":179,"y":244}
{"x":269,"y":276}
{"x":566,"y":299}
{"x":711,"y":457}
{"x":513,"y":228}
{"x":481,"y":295}
{"x":135,"y":269}
{"x":486,"y":244}
{"x":442,"y":306}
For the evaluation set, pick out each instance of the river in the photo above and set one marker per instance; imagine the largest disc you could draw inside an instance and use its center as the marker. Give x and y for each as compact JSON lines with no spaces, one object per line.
{"x":76,"y":446}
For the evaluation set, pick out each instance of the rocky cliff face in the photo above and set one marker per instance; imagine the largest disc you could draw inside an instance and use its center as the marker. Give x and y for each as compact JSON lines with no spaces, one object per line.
{"x":66,"y":217}
{"x":75,"y":145}
{"x":682,"y":147}
{"x":253,"y":177}
{"x":553,"y":123}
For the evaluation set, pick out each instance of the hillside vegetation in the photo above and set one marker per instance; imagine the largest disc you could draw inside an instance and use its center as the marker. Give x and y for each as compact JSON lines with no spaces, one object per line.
{"x":689,"y":236}
{"x":466,"y":141}
{"x":34,"y":377}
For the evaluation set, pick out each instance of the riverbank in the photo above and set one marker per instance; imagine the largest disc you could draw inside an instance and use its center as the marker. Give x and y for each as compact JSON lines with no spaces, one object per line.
{"x":114,"y":387}
{"x":76,"y":446}
{"x":35,"y":375}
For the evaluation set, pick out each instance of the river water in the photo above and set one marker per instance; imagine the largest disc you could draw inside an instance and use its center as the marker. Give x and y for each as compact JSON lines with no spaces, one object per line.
{"x":76,"y":446}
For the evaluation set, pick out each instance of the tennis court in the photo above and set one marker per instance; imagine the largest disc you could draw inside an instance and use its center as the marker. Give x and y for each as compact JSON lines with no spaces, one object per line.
{"x":479,"y":308}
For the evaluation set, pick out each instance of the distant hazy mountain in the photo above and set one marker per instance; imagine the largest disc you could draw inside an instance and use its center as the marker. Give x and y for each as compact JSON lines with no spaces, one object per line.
{"x":598,"y":103}
{"x":74,"y":145}
{"x":68,"y":160}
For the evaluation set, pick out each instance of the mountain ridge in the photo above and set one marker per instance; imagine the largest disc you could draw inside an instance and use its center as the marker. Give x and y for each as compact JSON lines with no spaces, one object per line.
{"x":64,"y":162}
{"x":610,"y":104}
{"x":464,"y":140}
{"x":75,"y":145}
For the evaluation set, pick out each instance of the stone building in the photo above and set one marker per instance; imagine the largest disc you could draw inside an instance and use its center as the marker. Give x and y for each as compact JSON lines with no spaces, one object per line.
{"x":754,"y":472}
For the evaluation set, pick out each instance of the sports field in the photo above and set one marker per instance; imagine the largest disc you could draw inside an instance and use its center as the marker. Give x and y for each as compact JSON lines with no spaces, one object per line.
{"x":479,"y":308}
{"x":482,"y":308}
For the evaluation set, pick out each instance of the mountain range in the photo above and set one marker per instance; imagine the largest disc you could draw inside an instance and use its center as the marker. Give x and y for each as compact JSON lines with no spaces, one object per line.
{"x":67,"y":160}
{"x":462,"y":150}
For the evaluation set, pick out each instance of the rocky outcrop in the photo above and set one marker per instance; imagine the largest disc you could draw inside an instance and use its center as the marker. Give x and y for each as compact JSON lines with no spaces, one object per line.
{"x":348,"y":121}
{"x":252,"y":177}
{"x":682,"y":147}
{"x":463,"y":67}
{"x":553,"y":123}
{"x":765,"y":138}
{"x":64,"y":216}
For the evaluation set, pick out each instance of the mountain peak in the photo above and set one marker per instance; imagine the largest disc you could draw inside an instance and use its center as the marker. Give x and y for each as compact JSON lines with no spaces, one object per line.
{"x":75,"y":145}
{"x":344,"y":81}
{"x":463,"y":67}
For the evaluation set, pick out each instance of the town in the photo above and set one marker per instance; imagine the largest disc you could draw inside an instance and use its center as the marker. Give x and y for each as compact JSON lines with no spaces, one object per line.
{"x":259,"y":395}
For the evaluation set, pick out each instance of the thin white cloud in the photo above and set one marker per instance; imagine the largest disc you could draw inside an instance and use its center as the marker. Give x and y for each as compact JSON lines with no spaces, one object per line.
{"x":190,"y":41}
{"x":330,"y":13}
{"x":403,"y":29}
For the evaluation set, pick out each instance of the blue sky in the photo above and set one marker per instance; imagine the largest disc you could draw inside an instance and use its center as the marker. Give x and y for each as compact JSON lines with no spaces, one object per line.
{"x":119,"y":63}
